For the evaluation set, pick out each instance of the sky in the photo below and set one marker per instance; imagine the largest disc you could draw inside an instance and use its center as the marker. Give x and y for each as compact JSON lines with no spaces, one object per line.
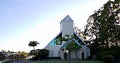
{"x":22,"y":21}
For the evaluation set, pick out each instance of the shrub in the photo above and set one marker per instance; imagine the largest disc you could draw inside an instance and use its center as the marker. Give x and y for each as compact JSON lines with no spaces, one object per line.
{"x":108,"y":59}
{"x":32,"y":52}
{"x":2,"y":57}
{"x":42,"y":54}
{"x":104,"y":53}
{"x":117,"y":52}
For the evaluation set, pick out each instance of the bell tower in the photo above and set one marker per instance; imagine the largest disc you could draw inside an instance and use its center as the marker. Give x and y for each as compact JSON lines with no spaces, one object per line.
{"x":66,"y":26}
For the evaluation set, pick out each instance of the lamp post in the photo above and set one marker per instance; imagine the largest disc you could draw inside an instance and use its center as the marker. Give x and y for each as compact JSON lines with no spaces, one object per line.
{"x":66,"y":51}
{"x":65,"y":54}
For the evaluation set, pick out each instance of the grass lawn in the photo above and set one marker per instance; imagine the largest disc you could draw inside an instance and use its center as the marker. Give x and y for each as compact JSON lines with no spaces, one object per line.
{"x":60,"y":61}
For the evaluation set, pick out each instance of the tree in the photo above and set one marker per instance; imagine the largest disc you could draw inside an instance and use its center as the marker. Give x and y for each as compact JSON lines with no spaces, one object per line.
{"x":21,"y":55}
{"x":103,"y":27}
{"x":79,"y":32}
{"x":33,"y":44}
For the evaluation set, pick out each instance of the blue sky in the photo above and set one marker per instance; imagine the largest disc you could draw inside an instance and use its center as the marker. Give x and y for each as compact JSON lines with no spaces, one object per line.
{"x":22,"y":21}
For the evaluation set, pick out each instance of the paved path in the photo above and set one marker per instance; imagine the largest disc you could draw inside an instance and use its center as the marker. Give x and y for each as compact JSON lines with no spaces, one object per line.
{"x":20,"y":61}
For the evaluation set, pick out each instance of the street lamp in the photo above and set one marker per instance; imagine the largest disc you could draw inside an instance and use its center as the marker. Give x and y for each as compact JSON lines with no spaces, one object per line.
{"x":66,"y":51}
{"x":65,"y":54}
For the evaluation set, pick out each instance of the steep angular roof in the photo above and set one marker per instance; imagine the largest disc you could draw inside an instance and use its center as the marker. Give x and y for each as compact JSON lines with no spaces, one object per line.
{"x":69,"y":41}
{"x":67,"y":19}
{"x":76,"y":39}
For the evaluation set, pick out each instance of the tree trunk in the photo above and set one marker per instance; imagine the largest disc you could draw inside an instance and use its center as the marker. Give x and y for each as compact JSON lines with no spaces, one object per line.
{"x":34,"y":50}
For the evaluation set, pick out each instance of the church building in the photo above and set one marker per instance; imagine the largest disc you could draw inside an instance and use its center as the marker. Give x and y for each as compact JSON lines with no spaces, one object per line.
{"x":57,"y":48}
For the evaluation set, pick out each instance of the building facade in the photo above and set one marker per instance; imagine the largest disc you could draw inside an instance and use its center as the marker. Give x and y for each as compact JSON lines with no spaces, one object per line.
{"x":57,"y":48}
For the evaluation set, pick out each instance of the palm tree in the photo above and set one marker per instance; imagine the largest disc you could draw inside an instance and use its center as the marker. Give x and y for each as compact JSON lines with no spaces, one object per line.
{"x":33,"y":44}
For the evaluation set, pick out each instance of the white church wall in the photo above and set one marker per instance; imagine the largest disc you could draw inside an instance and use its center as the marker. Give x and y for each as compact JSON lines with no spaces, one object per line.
{"x":66,"y":27}
{"x":53,"y":50}
{"x":86,"y":51}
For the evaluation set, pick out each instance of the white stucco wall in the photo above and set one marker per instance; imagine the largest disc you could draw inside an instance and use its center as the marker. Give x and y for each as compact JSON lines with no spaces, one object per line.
{"x":53,"y":50}
{"x":86,"y":51}
{"x":66,"y":28}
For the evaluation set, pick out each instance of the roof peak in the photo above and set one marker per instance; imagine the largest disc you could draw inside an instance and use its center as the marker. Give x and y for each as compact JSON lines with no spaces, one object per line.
{"x":67,"y":19}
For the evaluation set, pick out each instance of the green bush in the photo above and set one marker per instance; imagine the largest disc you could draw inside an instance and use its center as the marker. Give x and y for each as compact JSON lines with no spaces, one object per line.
{"x":2,"y":57}
{"x":108,"y":59}
{"x":105,"y":53}
{"x":99,"y":56}
{"x":42,"y":54}
{"x":117,"y":52}
{"x":32,"y":52}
